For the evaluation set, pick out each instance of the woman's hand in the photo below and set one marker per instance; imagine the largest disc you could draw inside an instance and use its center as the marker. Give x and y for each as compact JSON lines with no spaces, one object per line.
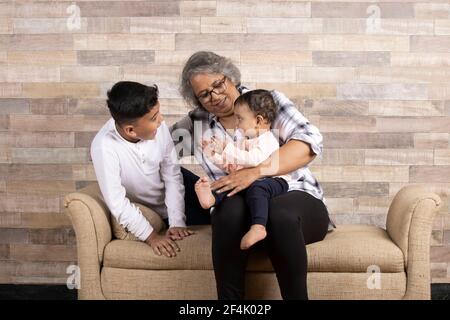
{"x":230,"y":167}
{"x":236,"y":181}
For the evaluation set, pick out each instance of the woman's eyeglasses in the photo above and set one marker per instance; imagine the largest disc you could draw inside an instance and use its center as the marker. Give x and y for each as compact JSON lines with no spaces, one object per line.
{"x":219,"y":87}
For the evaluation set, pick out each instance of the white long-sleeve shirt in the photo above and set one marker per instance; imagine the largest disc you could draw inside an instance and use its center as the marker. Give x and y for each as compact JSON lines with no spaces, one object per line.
{"x":146,"y":172}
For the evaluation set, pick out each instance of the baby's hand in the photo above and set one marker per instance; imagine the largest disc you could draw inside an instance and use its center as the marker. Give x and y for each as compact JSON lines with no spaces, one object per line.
{"x":207,"y":148}
{"x":217,"y":145}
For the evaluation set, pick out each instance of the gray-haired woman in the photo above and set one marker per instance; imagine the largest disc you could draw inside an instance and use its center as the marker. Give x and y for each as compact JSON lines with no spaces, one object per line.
{"x":211,"y":83}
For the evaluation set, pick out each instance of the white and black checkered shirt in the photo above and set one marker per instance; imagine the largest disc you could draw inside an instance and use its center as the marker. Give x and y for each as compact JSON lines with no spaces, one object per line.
{"x":289,"y":124}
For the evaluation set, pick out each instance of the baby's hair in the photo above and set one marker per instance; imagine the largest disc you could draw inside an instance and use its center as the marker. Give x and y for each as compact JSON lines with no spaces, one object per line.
{"x":260,"y":103}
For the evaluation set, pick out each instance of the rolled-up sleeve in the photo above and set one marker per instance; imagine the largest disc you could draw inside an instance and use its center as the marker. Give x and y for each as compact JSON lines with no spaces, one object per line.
{"x":290,"y":124}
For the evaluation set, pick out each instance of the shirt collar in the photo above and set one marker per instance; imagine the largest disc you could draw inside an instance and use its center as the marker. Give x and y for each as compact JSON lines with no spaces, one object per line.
{"x":212,"y":120}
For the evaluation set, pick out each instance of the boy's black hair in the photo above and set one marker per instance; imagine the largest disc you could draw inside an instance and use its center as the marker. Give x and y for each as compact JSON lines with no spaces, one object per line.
{"x":128,"y":101}
{"x":261,"y":103}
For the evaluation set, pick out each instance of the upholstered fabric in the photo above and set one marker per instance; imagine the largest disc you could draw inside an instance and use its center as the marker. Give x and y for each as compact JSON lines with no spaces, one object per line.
{"x":91,"y":221}
{"x":337,"y":266}
{"x":409,"y":223}
{"x":340,"y":251}
{"x":122,"y":233}
{"x":158,"y":284}
{"x":404,"y":204}
{"x":200,"y":285}
{"x":195,"y":254}
{"x":354,"y":248}
{"x":353,"y":286}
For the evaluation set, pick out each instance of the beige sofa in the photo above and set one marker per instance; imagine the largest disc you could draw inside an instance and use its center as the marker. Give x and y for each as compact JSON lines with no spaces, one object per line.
{"x":339,"y":267}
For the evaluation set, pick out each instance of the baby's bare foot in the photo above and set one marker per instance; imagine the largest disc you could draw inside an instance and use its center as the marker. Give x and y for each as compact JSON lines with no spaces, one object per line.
{"x":204,"y":193}
{"x":256,"y":233}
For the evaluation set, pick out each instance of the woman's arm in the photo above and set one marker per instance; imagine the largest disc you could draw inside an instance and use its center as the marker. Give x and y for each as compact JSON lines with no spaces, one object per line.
{"x":303,"y":143}
{"x":291,"y":156}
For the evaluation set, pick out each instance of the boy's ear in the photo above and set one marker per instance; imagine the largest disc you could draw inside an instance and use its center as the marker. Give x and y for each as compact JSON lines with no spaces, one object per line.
{"x":129,"y":130}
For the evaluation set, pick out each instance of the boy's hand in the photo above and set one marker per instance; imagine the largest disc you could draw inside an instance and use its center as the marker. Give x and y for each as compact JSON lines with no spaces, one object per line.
{"x":162,"y":245}
{"x":178,"y":233}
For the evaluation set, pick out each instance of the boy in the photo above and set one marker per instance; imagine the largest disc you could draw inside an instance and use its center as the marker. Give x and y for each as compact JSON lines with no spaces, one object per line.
{"x":254,"y":111}
{"x":134,"y":158}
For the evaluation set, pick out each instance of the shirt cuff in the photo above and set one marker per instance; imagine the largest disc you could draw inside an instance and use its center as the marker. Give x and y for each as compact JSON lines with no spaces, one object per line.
{"x":146,"y":233}
{"x":179,"y":222}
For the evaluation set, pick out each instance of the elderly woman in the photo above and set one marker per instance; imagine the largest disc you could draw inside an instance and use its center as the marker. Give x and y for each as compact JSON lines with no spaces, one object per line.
{"x":211,"y":83}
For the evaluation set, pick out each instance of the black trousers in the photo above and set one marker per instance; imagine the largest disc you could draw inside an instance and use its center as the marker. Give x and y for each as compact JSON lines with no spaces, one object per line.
{"x":257,"y":197}
{"x":296,"y":219}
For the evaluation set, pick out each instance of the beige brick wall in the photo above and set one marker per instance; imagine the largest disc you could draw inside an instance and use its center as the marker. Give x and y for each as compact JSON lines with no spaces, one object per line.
{"x":374,"y":76}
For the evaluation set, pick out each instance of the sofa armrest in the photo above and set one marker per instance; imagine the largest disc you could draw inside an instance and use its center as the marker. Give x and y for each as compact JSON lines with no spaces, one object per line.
{"x":91,"y":221}
{"x":409,"y":224}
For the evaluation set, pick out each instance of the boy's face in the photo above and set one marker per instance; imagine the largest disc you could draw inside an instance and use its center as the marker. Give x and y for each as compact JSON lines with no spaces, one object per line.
{"x":245,"y":120}
{"x":145,"y":127}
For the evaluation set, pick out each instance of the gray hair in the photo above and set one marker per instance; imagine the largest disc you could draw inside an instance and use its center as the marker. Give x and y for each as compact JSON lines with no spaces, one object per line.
{"x":207,"y":62}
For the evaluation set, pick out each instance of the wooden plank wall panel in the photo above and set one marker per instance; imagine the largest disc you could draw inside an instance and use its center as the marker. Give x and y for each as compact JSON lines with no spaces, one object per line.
{"x":374,"y":76}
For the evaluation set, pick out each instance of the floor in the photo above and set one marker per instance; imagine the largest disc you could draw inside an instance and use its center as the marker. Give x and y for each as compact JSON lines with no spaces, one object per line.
{"x":439,"y":291}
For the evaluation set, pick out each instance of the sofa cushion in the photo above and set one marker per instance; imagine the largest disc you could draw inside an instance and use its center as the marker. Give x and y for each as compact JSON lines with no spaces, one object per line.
{"x":349,"y":248}
{"x":355,"y":248}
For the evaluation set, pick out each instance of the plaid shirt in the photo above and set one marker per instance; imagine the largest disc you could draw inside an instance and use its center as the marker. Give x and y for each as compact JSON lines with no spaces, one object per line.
{"x":290,"y":124}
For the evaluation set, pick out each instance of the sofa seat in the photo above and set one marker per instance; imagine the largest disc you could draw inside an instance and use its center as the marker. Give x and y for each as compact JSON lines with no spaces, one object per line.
{"x":338,"y":265}
{"x":341,"y":251}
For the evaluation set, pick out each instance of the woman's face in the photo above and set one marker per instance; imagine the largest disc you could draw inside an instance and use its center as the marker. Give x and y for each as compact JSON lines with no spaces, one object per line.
{"x":215,"y":92}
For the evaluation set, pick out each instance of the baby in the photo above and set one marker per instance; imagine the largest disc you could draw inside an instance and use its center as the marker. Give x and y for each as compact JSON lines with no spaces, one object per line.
{"x":254,"y":111}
